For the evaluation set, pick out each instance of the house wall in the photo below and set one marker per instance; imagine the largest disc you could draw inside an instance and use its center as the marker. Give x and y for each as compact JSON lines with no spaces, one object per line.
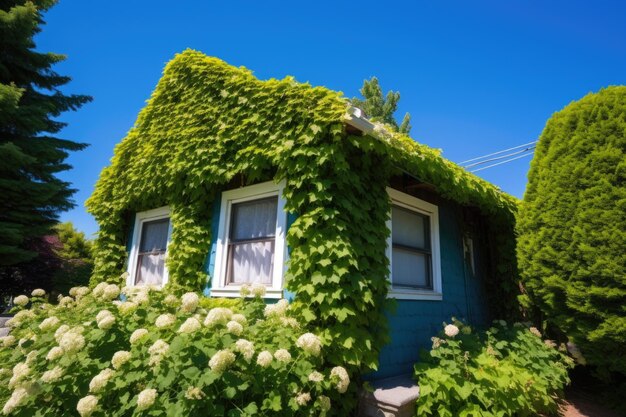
{"x":414,"y":322}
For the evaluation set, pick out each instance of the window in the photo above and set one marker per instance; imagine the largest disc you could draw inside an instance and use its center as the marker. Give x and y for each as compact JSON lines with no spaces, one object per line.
{"x":151,"y":235}
{"x":251,"y":240}
{"x":413,"y":248}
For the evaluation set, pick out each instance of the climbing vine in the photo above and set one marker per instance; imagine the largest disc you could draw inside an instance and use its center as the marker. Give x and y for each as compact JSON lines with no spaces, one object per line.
{"x":208,"y":123}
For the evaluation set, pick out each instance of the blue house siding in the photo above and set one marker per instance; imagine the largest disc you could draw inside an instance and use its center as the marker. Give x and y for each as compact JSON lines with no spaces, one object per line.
{"x":414,"y":322}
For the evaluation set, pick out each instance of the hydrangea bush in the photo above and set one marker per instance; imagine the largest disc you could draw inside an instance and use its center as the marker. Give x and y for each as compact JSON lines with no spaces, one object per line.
{"x":143,"y":351}
{"x":508,"y":370}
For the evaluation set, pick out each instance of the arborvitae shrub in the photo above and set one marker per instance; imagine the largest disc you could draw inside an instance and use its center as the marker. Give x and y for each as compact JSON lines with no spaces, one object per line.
{"x":572,"y":228}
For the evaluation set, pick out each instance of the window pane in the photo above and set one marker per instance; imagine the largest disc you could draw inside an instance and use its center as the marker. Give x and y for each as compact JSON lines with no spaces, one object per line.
{"x":251,"y":262}
{"x":410,"y":269}
{"x":254,"y":219}
{"x":154,"y":235}
{"x":150,"y":269}
{"x":151,"y":256}
{"x":409,"y":228}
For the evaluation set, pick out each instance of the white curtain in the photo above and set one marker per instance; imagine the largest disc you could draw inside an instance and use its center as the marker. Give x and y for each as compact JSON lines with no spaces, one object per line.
{"x":254,"y":219}
{"x":151,"y":257}
{"x":150,"y":269}
{"x":252,"y":262}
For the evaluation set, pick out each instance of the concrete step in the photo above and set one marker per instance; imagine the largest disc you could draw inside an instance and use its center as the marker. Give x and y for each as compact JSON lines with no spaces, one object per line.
{"x":392,"y":397}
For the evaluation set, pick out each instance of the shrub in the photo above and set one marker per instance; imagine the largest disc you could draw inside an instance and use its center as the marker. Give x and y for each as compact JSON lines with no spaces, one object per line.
{"x":504,"y":371}
{"x":160,"y":355}
{"x":572,"y":228}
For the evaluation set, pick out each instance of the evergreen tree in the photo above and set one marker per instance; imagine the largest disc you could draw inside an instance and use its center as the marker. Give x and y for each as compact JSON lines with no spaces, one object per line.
{"x":31,"y":195}
{"x":381,"y":108}
{"x":572,"y":229}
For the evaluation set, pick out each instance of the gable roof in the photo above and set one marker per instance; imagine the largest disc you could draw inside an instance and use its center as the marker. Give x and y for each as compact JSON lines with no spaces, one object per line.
{"x":204,"y":110}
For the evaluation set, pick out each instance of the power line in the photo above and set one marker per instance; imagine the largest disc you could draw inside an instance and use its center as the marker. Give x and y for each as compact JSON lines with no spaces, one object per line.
{"x":503,"y":162}
{"x":497,"y":153}
{"x":530,"y":148}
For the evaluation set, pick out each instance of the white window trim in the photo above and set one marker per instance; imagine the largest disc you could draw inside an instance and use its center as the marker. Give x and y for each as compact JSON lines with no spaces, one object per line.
{"x":252,"y":192}
{"x":140,"y":219}
{"x":409,"y":202}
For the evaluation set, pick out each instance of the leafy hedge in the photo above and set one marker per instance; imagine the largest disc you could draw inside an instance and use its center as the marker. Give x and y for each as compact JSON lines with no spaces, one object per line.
{"x":158,"y":354}
{"x":505,"y":371}
{"x":572,"y":228}
{"x":209,"y":126}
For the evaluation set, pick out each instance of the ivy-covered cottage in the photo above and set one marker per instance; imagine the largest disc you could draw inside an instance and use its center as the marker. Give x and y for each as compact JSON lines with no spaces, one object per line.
{"x":228,"y":180}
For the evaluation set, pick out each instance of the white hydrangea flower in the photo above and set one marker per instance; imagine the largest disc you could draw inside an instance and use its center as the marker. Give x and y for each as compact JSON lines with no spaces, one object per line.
{"x":102,"y":314}
{"x":66,"y":301}
{"x":110,"y":292}
{"x":234,"y":328}
{"x":276,"y":310}
{"x":8,"y":341}
{"x":87,"y":405}
{"x":289,"y":322}
{"x":99,"y":289}
{"x":240,"y":318}
{"x":72,"y":341}
{"x":323,"y":402}
{"x":310,"y":343}
{"x":141,"y":297}
{"x":165,"y":320}
{"x":218,"y":315}
{"x":282,"y":355}
{"x":264,"y":359}
{"x":157,"y":351}
{"x":189,"y":302}
{"x":340,"y":376}
{"x":49,"y":323}
{"x":52,"y":375}
{"x":190,"y":325}
{"x":17,"y":398}
{"x":20,"y":371}
{"x":127,"y":307}
{"x":106,"y":322}
{"x":221,"y":360}
{"x":146,"y":398}
{"x":64,"y":328}
{"x":55,"y":353}
{"x":38,"y":292}
{"x":171,"y":300}
{"x":194,"y":393}
{"x":316,"y":376}
{"x":436,"y":342}
{"x":80,"y":292}
{"x":138,"y":335}
{"x":451,"y":330}
{"x":120,"y":358}
{"x":246,"y":348}
{"x":99,"y":381}
{"x":244,"y":290}
{"x":258,"y":289}
{"x":20,"y":300}
{"x":550,"y":343}
{"x":535,"y":331}
{"x":303,"y":398}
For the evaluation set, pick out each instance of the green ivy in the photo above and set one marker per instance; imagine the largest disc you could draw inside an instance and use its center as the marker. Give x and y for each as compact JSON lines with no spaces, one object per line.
{"x":209,"y":126}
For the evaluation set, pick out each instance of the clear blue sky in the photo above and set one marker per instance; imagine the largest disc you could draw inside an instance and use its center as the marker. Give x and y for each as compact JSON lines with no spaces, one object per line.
{"x":476,"y":76}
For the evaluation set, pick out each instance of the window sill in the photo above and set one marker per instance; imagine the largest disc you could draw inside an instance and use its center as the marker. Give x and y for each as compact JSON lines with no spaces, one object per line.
{"x":234,"y":293}
{"x":407,"y":294}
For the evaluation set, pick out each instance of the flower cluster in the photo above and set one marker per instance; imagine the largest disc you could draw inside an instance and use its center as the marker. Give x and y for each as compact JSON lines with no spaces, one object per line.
{"x":341,"y":378}
{"x":189,"y":302}
{"x":221,"y":360}
{"x":309,"y":343}
{"x":218,"y":315}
